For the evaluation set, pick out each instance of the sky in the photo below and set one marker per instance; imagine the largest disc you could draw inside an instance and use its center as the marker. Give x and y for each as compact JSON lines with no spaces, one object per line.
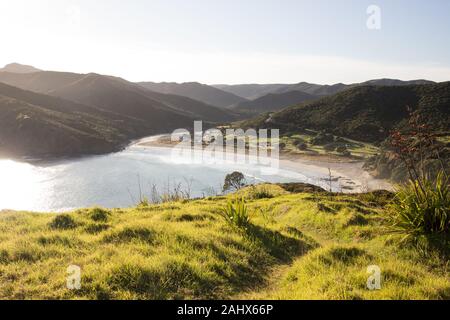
{"x":231,"y":41}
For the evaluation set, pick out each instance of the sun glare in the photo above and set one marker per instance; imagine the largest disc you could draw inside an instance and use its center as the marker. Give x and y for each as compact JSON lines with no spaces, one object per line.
{"x":18,"y":188}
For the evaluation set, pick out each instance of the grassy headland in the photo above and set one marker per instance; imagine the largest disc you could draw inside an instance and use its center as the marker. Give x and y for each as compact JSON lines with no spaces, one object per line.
{"x":310,"y":245}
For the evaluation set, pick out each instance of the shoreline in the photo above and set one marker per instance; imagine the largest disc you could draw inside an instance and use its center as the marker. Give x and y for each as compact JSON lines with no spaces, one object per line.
{"x":348,"y":174}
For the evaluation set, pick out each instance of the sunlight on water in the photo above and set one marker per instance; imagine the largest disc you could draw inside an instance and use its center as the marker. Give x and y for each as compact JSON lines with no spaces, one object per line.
{"x":19,"y":186}
{"x":113,"y":180}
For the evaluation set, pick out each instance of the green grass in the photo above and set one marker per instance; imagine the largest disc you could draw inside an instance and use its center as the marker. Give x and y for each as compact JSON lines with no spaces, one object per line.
{"x":359,"y":150}
{"x":293,"y":248}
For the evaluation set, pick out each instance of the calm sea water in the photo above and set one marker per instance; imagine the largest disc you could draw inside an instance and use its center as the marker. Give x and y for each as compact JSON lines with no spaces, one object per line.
{"x":116,"y":180}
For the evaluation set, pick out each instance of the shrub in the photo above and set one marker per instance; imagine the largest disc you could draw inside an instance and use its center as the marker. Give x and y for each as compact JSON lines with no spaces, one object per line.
{"x":346,"y":153}
{"x":260,"y":193}
{"x":99,"y":214}
{"x":95,"y":228}
{"x":63,"y":221}
{"x":422,"y":209}
{"x":236,"y":213}
{"x":322,"y":139}
{"x":302,"y":146}
{"x":329,"y":147}
{"x":144,"y":203}
{"x":341,"y":149}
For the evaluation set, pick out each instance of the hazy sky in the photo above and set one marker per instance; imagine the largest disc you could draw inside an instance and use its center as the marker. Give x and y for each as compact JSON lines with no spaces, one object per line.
{"x":228,"y":41}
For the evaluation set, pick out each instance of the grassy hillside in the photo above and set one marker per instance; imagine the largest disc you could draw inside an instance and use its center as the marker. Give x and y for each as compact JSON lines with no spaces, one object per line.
{"x":364,"y":113}
{"x":306,"y":245}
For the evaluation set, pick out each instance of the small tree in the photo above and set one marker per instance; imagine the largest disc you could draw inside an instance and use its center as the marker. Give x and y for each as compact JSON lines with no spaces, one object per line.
{"x":234,"y":181}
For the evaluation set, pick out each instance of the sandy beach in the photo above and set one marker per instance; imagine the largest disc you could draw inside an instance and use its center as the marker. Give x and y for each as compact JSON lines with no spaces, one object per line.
{"x":346,"y":175}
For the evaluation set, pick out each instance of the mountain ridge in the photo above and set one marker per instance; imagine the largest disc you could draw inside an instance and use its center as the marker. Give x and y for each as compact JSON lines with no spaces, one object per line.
{"x":98,"y":90}
{"x":363,"y":113}
{"x":194,"y":90}
{"x":19,"y":68}
{"x":254,"y":91}
{"x":273,"y":102}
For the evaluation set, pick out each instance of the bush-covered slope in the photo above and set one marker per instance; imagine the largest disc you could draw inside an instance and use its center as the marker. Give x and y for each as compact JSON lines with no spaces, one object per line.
{"x":254,"y":91}
{"x":273,"y":102}
{"x":364,"y":113}
{"x":33,"y":124}
{"x":297,"y":246}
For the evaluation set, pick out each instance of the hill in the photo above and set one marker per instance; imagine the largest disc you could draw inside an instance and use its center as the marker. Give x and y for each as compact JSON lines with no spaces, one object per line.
{"x":363,"y":113}
{"x":254,"y":91}
{"x":250,"y":91}
{"x":296,"y":246}
{"x":40,"y":82}
{"x":327,"y":90}
{"x":273,"y":102}
{"x":19,"y":68}
{"x":395,"y":82}
{"x":197,"y":91}
{"x":117,"y":95}
{"x":37,"y":125}
{"x":314,"y":89}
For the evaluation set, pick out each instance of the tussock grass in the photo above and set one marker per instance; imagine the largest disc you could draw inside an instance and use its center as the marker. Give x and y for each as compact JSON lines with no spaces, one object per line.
{"x":99,"y":214}
{"x":422,"y":208}
{"x":63,"y":221}
{"x":187,"y":250}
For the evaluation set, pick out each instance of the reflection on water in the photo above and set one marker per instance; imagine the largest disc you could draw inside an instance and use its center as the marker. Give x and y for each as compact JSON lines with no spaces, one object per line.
{"x":113,"y":180}
{"x":19,"y":184}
